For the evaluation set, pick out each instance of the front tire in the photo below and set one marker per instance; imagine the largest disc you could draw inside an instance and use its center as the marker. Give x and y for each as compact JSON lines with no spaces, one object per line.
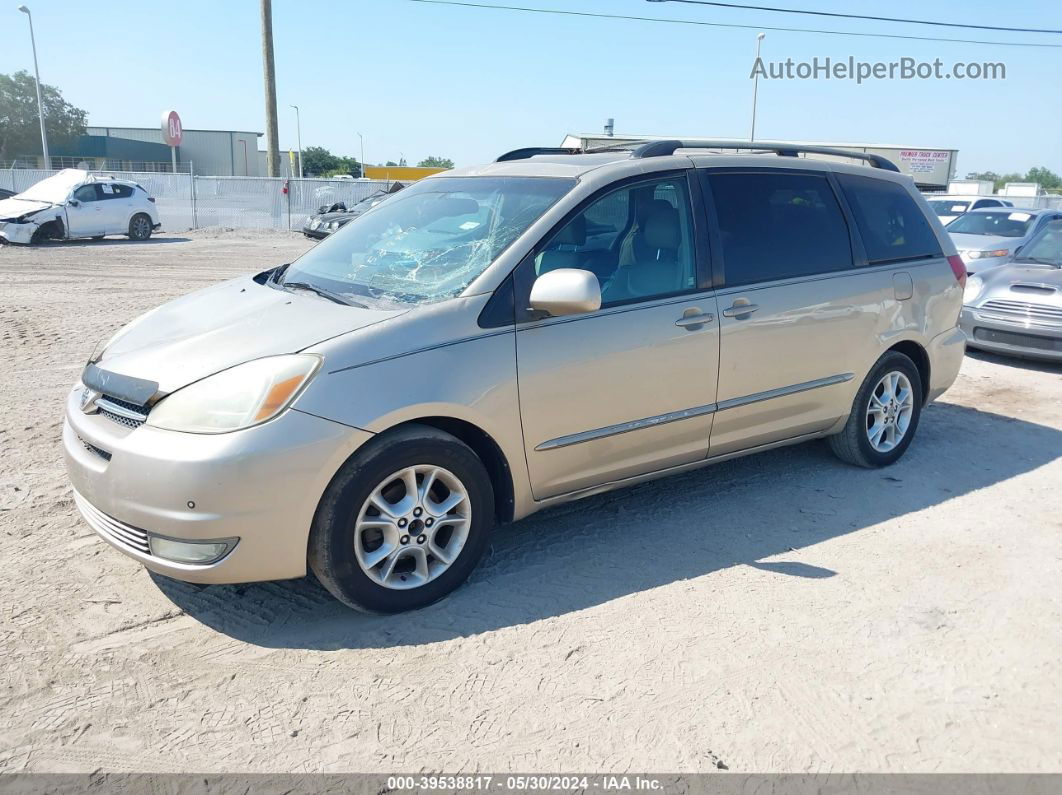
{"x":403,"y":522}
{"x":884,"y":415}
{"x":139,"y":227}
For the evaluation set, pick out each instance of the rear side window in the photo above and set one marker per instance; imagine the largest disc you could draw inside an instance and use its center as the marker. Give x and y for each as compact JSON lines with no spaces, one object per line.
{"x":890,"y":222}
{"x":779,"y":225}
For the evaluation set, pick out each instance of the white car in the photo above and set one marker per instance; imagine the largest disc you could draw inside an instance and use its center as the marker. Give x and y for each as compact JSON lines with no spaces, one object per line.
{"x":948,"y":207}
{"x":74,"y":203}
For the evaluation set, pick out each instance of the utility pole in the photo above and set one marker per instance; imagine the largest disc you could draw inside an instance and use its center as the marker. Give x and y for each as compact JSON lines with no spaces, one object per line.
{"x":37,"y":74}
{"x":272,"y":146}
{"x":362,"y":174}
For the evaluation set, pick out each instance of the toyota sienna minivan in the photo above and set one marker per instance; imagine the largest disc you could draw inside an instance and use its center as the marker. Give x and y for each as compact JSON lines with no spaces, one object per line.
{"x":495,"y":340}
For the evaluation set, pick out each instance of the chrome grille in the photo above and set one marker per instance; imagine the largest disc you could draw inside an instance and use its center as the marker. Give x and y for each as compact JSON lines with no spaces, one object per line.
{"x":125,"y":535}
{"x":122,"y":411}
{"x":1023,"y":310}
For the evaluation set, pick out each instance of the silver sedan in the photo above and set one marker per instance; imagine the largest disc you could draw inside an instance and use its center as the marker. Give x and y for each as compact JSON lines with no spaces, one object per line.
{"x":986,"y":238}
{"x":1017,"y":308}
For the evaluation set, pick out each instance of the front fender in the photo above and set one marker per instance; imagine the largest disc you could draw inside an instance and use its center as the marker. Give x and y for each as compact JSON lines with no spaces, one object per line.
{"x":473,"y":380}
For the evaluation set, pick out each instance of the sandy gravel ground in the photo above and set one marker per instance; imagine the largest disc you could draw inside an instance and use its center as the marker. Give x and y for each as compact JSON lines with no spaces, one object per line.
{"x":783,"y":612}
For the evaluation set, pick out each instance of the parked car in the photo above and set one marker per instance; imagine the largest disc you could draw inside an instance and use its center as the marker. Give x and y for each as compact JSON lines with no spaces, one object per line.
{"x":1016,"y":309}
{"x":329,"y":219}
{"x":467,"y":353}
{"x":948,"y":208}
{"x":987,"y":238}
{"x":74,"y":203}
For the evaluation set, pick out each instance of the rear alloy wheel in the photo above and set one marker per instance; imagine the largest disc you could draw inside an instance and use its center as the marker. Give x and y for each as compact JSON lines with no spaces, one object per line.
{"x":139,"y":227}
{"x":884,"y":415}
{"x":403,"y":522}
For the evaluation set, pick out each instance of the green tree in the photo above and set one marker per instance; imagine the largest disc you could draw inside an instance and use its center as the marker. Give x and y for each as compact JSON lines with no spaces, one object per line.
{"x":1047,"y":178}
{"x":433,"y":161}
{"x":20,"y":132}
{"x":318,"y":160}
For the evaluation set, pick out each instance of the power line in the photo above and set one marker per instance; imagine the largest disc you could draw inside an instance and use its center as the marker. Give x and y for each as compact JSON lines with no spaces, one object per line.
{"x":855,"y":16}
{"x":699,"y":23}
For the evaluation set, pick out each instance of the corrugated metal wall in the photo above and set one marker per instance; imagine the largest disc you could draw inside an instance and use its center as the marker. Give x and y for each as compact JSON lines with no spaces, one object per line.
{"x":216,"y":152}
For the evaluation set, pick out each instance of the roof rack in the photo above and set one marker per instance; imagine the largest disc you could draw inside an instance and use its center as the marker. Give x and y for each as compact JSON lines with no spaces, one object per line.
{"x":531,"y":151}
{"x":668,"y":147}
{"x":663,"y":148}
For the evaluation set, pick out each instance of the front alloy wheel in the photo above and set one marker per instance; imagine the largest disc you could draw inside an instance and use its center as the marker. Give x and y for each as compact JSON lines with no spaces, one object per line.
{"x":412,"y":527}
{"x":403,"y":522}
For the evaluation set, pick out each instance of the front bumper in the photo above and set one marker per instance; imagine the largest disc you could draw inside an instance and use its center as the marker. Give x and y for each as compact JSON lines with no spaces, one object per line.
{"x":1011,"y":337}
{"x":14,"y":232}
{"x":260,"y":485}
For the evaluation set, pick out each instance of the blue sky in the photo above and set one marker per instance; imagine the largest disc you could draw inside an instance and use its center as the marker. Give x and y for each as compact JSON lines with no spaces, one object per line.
{"x":467,"y":83}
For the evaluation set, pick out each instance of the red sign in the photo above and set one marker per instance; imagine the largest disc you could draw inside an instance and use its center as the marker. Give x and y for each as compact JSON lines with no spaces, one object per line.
{"x":172,"y":131}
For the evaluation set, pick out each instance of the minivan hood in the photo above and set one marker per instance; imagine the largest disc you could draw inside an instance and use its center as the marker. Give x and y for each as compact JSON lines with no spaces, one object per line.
{"x":225,"y":325}
{"x":965,"y":242}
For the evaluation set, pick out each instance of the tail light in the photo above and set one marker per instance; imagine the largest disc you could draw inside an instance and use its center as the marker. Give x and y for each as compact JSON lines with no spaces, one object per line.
{"x":958,"y":267}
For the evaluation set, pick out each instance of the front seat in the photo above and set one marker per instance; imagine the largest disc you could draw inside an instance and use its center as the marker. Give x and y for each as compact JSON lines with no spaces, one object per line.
{"x":658,"y":270}
{"x":562,"y":251}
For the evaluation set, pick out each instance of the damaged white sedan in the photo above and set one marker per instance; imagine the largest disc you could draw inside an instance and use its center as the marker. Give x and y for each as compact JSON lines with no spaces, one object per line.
{"x":73,"y":204}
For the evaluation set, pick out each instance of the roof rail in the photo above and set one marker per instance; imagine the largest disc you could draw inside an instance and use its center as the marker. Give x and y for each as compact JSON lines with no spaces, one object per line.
{"x":531,"y":151}
{"x":668,"y":147}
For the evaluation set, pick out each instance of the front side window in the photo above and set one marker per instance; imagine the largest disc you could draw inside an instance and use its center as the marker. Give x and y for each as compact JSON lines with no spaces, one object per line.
{"x":778,"y":226}
{"x":1004,"y":223}
{"x":86,"y":193}
{"x":638,"y":241}
{"x":428,"y":242}
{"x":890,"y":222}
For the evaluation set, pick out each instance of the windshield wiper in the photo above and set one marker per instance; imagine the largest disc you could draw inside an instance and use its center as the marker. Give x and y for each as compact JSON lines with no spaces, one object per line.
{"x":313,"y":288}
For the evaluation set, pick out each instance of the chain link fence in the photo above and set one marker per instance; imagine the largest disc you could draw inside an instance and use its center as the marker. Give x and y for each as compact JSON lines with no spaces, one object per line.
{"x":187,"y":202}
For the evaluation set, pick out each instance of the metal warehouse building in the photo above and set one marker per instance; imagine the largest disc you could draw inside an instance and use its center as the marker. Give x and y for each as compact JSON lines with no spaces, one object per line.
{"x":930,"y":168}
{"x":223,"y":153}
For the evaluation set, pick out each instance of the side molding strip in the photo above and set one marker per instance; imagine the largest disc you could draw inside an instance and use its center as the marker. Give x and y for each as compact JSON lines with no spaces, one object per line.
{"x":685,"y":414}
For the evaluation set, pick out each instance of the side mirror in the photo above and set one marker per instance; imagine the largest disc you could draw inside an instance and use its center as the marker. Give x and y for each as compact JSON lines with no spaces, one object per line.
{"x":74,"y":203}
{"x":566,"y":291}
{"x":322,"y":210}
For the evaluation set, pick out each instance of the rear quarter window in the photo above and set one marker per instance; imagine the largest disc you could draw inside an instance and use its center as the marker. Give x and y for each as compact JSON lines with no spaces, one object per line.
{"x":889,"y":221}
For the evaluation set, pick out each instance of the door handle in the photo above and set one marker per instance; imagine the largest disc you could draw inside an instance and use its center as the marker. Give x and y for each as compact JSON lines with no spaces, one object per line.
{"x":695,"y":321}
{"x":737,"y":310}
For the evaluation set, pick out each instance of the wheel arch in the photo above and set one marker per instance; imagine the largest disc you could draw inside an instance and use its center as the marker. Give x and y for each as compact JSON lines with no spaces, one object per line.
{"x":917,"y":354}
{"x":489,"y":452}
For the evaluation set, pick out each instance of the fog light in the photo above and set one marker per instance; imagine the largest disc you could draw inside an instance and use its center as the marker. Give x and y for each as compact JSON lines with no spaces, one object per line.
{"x":199,"y":552}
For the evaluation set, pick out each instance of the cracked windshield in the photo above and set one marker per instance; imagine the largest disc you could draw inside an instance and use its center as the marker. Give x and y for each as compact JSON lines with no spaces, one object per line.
{"x":426,"y":243}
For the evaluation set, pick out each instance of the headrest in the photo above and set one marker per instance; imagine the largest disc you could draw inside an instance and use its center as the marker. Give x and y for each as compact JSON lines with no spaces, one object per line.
{"x":662,"y":228}
{"x":573,"y":234}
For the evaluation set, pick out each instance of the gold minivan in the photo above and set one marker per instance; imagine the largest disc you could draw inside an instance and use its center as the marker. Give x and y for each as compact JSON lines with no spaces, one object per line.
{"x":498,"y":339}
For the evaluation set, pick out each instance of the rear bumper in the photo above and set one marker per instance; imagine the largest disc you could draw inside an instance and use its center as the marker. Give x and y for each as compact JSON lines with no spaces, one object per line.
{"x":260,"y":486}
{"x":1011,"y":338}
{"x":945,"y":358}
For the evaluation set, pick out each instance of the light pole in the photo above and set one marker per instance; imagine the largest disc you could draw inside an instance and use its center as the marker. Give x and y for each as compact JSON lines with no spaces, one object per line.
{"x":298,"y":136}
{"x":362,"y":155}
{"x":37,"y":73}
{"x":755,"y":85}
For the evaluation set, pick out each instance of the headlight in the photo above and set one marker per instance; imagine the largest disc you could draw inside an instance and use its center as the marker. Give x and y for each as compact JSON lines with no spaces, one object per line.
{"x":972,"y":290}
{"x":239,"y":397}
{"x":333,"y":225}
{"x":999,"y":252}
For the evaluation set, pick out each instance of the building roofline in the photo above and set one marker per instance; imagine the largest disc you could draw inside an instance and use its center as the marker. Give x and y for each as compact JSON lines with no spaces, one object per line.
{"x":156,"y":129}
{"x":620,"y":137}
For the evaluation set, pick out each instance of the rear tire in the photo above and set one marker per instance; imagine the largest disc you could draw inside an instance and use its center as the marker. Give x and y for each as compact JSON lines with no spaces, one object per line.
{"x":140,"y":227}
{"x":408,"y":552}
{"x":884,"y":414}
